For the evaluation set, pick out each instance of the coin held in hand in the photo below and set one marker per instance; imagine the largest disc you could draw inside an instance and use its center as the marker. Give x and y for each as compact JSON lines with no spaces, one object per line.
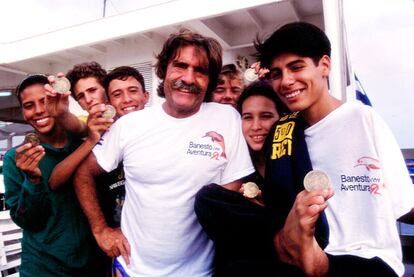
{"x":250,"y":75}
{"x":61,"y":85}
{"x":251,"y":190}
{"x":31,"y":138}
{"x":316,"y":180}
{"x":109,"y":112}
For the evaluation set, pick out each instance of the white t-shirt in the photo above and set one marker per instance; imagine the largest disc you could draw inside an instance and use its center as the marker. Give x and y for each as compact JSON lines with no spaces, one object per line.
{"x":371,"y":183}
{"x":166,"y":161}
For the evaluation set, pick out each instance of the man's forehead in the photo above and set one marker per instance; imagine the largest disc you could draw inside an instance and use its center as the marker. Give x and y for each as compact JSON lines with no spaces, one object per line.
{"x":198,"y":55}
{"x":86,"y":83}
{"x":231,"y":80}
{"x":37,"y":88}
{"x":129,"y":81}
{"x":286,"y":58}
{"x":90,"y":80}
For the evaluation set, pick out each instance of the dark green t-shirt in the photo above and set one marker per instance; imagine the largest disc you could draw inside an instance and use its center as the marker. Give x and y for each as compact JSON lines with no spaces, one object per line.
{"x":56,"y":237}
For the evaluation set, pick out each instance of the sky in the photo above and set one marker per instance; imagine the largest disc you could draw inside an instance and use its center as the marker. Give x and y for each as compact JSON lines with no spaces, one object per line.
{"x":380,"y":40}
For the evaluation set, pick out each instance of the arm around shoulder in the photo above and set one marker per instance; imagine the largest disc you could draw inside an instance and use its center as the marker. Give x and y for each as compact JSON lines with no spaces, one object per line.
{"x":72,"y":124}
{"x":85,"y":188}
{"x":110,"y":240}
{"x":65,"y":169}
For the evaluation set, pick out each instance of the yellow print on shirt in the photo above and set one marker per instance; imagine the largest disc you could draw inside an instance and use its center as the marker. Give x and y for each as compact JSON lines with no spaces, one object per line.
{"x":282,"y":140}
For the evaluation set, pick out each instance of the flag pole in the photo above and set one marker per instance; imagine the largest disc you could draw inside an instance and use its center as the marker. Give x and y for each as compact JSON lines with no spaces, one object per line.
{"x":334,"y":24}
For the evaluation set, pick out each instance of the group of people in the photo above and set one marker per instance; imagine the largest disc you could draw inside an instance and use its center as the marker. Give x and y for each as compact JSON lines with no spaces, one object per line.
{"x":176,"y":170}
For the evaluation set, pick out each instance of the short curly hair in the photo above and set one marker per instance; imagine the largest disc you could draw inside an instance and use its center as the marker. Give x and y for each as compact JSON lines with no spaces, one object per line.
{"x":86,"y":70}
{"x":122,"y":73}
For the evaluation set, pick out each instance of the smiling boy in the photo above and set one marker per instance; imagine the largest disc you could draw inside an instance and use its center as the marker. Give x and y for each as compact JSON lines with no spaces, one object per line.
{"x":363,"y":237}
{"x":56,"y":238}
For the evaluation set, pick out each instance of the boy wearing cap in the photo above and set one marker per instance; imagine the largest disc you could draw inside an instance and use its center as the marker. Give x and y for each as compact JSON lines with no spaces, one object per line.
{"x":56,"y":238}
{"x":357,"y":150}
{"x":229,"y":86}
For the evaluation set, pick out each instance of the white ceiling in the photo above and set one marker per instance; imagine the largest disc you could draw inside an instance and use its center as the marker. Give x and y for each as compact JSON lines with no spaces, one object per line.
{"x":234,"y":29}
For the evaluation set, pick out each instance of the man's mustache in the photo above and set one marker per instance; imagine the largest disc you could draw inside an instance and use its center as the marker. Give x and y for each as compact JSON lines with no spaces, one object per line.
{"x":178,"y":84}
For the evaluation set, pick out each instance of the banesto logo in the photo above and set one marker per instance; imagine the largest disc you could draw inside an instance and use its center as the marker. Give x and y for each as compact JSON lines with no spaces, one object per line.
{"x":365,"y":182}
{"x":219,"y":139}
{"x":214,"y":150}
{"x":369,"y":163}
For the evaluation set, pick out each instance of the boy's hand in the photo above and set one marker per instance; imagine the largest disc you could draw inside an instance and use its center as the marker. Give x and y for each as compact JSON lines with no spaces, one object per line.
{"x":97,"y":125}
{"x":113,"y":243}
{"x":57,"y":104}
{"x":295,"y":242}
{"x":27,"y":160}
{"x":260,"y":71}
{"x":257,"y":199}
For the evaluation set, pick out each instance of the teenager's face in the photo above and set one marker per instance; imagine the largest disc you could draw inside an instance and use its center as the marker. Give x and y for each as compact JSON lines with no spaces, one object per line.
{"x":34,"y":109}
{"x":299,"y":83}
{"x":258,"y":115}
{"x":89,"y":92}
{"x":186,"y":82}
{"x":126,"y":95}
{"x":228,"y":90}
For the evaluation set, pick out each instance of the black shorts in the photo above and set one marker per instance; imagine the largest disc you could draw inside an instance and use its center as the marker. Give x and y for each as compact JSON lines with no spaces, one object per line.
{"x":348,"y":265}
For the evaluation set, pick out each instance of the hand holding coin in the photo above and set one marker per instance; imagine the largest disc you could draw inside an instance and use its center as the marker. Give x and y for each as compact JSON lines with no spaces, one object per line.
{"x":61,"y":85}
{"x":109,"y":112}
{"x":28,"y":158}
{"x":250,"y":75}
{"x":316,"y":180}
{"x":32,"y":139}
{"x":250,"y":190}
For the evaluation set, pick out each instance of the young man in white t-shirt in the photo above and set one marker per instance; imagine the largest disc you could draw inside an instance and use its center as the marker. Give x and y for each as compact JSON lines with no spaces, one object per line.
{"x":169,"y":152}
{"x":350,"y":142}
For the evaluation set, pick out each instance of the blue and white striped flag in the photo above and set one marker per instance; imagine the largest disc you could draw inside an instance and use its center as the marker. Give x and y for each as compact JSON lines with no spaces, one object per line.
{"x":360,"y":92}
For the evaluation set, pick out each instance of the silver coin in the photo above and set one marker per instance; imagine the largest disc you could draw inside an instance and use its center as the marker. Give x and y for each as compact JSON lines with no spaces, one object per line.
{"x":109,"y":112}
{"x":31,"y":138}
{"x":250,"y":75}
{"x":61,"y":85}
{"x":251,"y":190}
{"x":316,"y":180}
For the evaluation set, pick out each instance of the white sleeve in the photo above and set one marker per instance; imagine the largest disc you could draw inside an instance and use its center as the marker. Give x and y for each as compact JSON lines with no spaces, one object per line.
{"x":108,"y":151}
{"x":395,"y":171}
{"x":239,"y":163}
